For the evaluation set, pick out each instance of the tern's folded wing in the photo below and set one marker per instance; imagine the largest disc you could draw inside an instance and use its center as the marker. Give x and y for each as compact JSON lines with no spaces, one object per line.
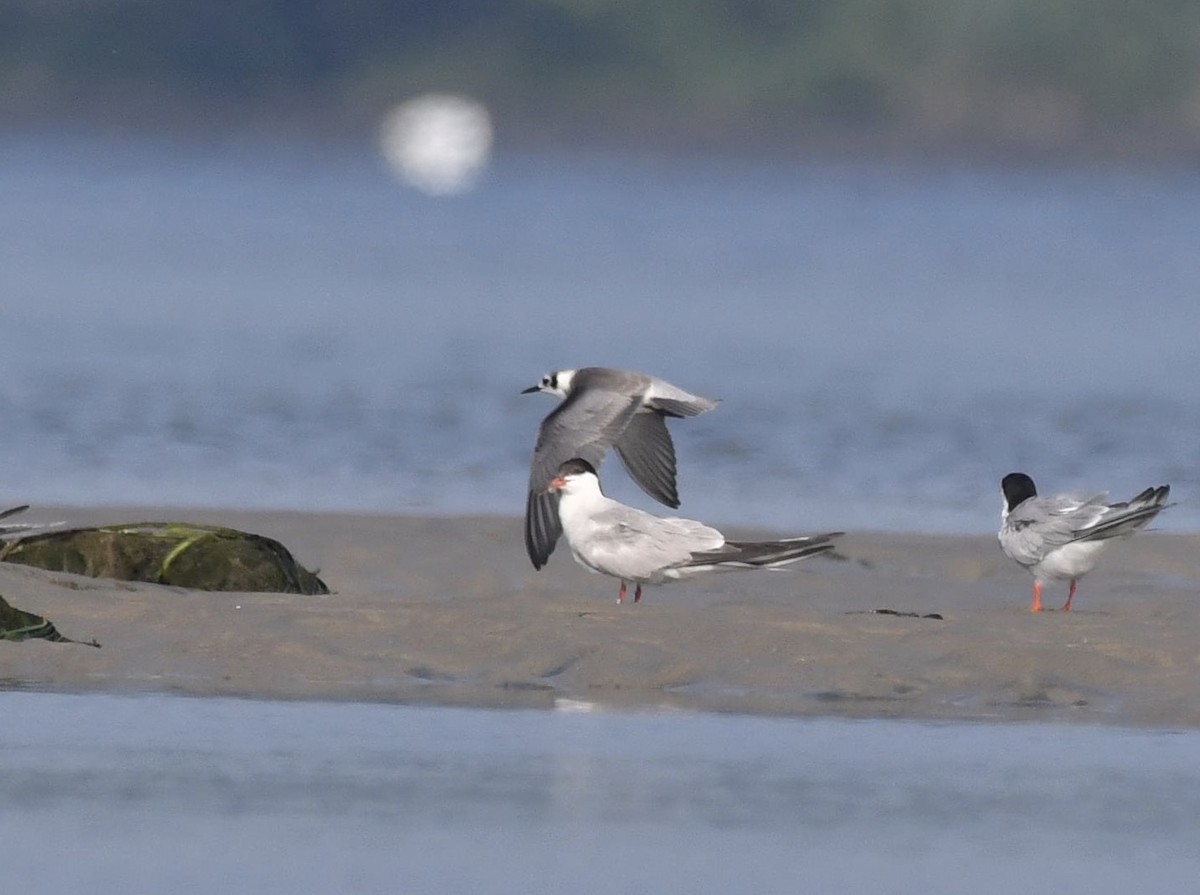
{"x":1040,"y":525}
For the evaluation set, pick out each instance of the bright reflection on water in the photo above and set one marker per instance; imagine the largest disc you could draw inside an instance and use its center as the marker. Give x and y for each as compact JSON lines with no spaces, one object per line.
{"x":152,"y":794}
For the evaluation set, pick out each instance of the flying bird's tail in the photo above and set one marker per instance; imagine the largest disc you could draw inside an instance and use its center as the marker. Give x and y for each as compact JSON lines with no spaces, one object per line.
{"x":679,"y":408}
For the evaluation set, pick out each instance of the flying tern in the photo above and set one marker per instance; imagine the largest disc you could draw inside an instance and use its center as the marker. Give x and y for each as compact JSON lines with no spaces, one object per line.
{"x":603,"y":408}
{"x":1060,"y":538}
{"x":608,"y":537}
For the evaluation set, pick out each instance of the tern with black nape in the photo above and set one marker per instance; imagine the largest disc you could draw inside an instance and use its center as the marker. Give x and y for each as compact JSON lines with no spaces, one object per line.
{"x":629,"y":544}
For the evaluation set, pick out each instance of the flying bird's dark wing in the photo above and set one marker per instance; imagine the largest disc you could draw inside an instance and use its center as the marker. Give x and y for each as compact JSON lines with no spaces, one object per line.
{"x":648,"y":455}
{"x":585,"y":425}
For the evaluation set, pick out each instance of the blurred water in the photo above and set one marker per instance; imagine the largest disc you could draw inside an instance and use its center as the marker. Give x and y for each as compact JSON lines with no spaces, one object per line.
{"x":129,"y":795}
{"x":262,"y":324}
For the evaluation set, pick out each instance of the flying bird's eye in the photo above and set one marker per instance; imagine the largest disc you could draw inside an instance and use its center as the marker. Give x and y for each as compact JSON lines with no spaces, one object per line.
{"x":552,"y":381}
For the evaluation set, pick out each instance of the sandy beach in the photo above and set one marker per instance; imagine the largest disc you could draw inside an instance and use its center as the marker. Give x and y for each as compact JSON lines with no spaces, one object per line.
{"x":448,"y":610}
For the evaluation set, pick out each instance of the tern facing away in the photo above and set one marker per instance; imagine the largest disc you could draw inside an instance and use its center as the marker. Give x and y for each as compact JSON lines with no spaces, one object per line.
{"x":608,"y":537}
{"x":1060,"y":538}
{"x":603,"y":408}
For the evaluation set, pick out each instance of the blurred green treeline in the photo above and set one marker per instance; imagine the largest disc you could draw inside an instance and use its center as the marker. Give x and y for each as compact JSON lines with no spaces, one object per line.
{"x":1039,"y":73}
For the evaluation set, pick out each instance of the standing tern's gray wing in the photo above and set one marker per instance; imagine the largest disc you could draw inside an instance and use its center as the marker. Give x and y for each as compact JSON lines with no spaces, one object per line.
{"x":630,"y":543}
{"x":585,"y":425}
{"x":648,"y":455}
{"x":1041,"y":524}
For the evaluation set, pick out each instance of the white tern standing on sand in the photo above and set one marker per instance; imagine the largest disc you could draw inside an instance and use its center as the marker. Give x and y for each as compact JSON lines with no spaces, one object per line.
{"x":1060,"y":538}
{"x":603,"y":408}
{"x":608,"y":537}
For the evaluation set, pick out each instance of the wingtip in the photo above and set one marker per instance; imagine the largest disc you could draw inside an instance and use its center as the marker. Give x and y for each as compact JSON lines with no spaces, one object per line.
{"x":660,"y":490}
{"x":541,"y":528}
{"x":537,"y":557}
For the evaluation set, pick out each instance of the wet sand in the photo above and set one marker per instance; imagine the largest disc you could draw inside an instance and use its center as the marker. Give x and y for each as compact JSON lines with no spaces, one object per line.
{"x":448,"y":610}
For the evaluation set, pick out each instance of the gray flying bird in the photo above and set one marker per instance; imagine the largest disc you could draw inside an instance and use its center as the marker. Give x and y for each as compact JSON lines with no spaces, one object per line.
{"x":608,"y":537}
{"x":1060,"y":538}
{"x":603,"y":408}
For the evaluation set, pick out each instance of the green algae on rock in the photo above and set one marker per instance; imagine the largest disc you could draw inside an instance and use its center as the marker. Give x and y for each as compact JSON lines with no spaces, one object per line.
{"x":204,"y":557}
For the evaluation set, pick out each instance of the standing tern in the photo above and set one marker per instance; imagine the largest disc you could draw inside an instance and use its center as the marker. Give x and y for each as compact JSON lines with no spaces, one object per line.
{"x":603,"y":408}
{"x":1060,"y":538}
{"x":608,"y":537}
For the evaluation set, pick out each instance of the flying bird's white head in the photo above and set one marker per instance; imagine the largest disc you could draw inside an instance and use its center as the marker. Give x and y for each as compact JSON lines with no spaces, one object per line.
{"x":557,"y":383}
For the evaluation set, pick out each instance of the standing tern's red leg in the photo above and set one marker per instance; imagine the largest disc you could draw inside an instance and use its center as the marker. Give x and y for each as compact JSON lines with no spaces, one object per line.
{"x":1070,"y":597}
{"x":1037,"y":597}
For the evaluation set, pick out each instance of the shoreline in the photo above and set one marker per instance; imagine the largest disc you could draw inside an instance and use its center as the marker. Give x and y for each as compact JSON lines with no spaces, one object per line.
{"x":447,"y":610}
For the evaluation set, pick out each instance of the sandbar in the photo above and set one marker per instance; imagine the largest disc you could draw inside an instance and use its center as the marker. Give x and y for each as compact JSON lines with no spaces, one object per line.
{"x":448,"y":610}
